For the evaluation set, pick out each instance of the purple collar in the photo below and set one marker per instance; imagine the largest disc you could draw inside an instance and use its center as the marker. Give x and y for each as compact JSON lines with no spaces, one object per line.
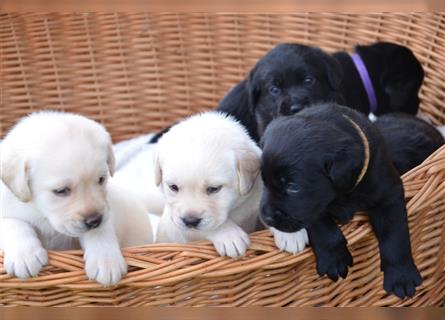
{"x":366,"y":80}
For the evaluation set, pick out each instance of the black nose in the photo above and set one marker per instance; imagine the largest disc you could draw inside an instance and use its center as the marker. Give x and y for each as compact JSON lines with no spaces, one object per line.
{"x":295,"y":108}
{"x":93,"y":221}
{"x":191,"y":221}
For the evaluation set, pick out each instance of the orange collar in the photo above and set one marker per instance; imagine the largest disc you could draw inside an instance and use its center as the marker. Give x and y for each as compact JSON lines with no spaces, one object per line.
{"x":365,"y":147}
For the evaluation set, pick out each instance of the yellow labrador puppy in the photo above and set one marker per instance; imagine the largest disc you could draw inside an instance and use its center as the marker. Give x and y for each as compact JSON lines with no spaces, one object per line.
{"x":208,"y":170}
{"x":56,"y":194}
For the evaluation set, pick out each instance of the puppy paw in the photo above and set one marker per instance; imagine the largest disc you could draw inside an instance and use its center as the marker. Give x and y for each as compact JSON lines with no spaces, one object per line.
{"x":401,"y":280}
{"x":291,"y":242}
{"x":107,"y":268}
{"x":232,"y":243}
{"x":25,"y":261}
{"x":334,"y":263}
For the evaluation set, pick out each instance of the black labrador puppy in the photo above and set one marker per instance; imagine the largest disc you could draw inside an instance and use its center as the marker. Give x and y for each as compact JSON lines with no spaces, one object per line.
{"x":409,"y":140}
{"x":323,"y":165}
{"x":291,"y":77}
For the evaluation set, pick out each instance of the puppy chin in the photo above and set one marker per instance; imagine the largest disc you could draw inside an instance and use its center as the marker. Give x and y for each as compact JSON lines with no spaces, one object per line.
{"x":283,"y":227}
{"x":207,"y":224}
{"x":288,"y":228}
{"x":73,"y":229}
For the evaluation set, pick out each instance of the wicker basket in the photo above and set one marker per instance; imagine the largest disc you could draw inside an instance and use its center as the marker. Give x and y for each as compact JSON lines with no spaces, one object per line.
{"x":140,"y":72}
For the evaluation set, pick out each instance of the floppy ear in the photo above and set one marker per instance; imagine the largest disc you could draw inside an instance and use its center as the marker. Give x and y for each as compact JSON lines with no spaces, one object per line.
{"x":334,"y":70}
{"x":402,"y":84}
{"x":14,"y":172}
{"x":252,"y":90}
{"x":402,"y":74}
{"x":344,"y":166}
{"x":111,"y":160}
{"x":248,"y":168}
{"x":157,"y":168}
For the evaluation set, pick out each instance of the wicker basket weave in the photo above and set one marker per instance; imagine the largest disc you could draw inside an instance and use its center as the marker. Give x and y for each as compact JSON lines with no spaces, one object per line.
{"x":140,"y":72}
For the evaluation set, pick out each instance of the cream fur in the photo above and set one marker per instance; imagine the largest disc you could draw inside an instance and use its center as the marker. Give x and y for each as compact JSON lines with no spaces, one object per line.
{"x":51,"y":150}
{"x":209,"y":149}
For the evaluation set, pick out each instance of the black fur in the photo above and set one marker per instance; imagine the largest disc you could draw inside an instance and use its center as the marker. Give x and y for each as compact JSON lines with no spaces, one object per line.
{"x":310,"y":165}
{"x":299,"y":75}
{"x":396,"y":75}
{"x":394,"y":71}
{"x":409,"y":140}
{"x":303,"y":75}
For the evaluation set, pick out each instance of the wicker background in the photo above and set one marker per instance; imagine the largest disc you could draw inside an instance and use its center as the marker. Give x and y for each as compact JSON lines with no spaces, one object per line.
{"x":139,"y":72}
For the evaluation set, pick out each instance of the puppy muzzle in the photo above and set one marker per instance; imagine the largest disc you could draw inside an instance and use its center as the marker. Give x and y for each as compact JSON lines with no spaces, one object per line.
{"x":294,"y":106}
{"x":191,"y":222}
{"x":273,"y":217}
{"x":93,"y":221}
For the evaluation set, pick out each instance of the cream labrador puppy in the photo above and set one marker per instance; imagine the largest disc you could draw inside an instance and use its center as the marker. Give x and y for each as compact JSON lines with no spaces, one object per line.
{"x":208,"y":170}
{"x":56,"y":194}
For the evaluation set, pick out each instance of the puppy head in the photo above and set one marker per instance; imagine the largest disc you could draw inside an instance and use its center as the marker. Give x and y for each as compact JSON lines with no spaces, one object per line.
{"x":206,"y":166}
{"x":400,"y":75}
{"x":59,"y":163}
{"x":306,"y":163}
{"x":290,"y":78}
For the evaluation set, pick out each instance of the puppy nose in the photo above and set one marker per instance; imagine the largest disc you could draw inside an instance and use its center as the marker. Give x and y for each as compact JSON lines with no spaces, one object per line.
{"x":93,"y":221}
{"x":191,"y":221}
{"x":295,"y":108}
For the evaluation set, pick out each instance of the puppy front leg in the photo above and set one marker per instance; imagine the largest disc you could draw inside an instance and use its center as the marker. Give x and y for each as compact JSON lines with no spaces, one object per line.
{"x":329,"y":245}
{"x":24,"y":255}
{"x":103,"y":258}
{"x":389,"y":222}
{"x":229,"y":239}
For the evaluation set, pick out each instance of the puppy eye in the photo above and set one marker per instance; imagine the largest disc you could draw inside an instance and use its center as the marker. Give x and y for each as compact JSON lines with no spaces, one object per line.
{"x":292,"y":187}
{"x":102,"y":180}
{"x":62,"y":192}
{"x":274,"y":91}
{"x":212,"y":190}
{"x":308,"y":80}
{"x":173,"y":187}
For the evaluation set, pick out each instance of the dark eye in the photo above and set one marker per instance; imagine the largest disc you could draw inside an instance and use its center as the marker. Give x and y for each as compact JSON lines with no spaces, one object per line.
{"x":62,"y":192}
{"x":274,"y":91}
{"x":292,"y":187}
{"x":102,"y":180}
{"x":308,"y":80}
{"x":173,"y":187}
{"x":211,"y":190}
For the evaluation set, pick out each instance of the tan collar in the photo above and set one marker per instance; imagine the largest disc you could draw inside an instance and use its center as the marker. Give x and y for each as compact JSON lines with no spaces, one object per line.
{"x":365,"y":147}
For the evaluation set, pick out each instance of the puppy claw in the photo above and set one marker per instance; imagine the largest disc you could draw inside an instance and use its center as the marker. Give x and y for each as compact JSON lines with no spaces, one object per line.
{"x":294,"y":242}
